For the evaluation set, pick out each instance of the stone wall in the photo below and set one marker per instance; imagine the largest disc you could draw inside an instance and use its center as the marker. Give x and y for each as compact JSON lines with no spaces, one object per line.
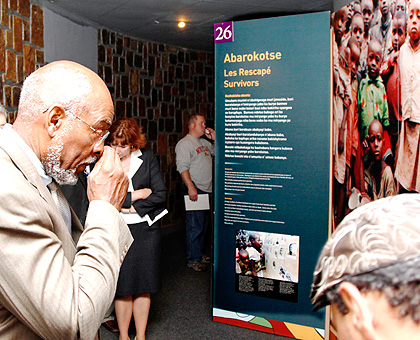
{"x":160,"y":86}
{"x":157,"y":84}
{"x":21,"y":48}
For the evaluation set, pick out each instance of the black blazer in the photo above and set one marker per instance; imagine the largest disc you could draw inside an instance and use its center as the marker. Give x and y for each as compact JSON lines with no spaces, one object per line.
{"x":148,"y":176}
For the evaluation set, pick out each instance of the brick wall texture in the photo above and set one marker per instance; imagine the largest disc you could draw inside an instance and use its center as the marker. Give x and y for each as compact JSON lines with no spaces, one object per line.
{"x":158,"y":85}
{"x":21,"y":48}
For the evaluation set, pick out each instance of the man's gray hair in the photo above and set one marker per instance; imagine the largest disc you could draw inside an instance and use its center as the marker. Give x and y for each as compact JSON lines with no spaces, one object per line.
{"x":60,"y":85}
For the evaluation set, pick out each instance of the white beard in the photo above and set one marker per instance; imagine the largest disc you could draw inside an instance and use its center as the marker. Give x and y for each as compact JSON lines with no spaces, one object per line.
{"x":51,"y":163}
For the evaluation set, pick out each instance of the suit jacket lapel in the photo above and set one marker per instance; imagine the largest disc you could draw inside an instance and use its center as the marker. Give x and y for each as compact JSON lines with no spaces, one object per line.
{"x":135,"y":163}
{"x":22,"y":162}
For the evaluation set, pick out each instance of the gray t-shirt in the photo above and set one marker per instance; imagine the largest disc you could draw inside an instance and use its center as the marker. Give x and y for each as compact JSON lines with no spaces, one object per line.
{"x":195,"y":155}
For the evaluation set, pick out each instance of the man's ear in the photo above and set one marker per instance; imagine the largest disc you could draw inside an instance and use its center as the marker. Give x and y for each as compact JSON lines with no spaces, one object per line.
{"x":54,"y":119}
{"x":360,"y":314}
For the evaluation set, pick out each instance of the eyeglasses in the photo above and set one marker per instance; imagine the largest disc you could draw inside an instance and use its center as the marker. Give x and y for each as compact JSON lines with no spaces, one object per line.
{"x":101,"y":136}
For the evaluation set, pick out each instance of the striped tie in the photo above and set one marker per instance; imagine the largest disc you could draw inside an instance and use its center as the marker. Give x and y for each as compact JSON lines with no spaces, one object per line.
{"x":61,"y":203}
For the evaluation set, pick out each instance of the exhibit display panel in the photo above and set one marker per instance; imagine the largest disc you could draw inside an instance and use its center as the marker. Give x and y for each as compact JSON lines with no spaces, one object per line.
{"x":272,"y":177}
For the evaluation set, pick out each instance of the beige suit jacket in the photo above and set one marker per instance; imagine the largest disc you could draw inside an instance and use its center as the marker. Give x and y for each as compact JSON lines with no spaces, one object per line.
{"x":51,"y":288}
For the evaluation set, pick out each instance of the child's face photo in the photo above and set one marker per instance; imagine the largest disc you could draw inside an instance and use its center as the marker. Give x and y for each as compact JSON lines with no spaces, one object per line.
{"x":414,"y":20}
{"x":400,"y":6}
{"x":367,"y":12}
{"x":357,"y":8}
{"x":357,"y":27}
{"x":375,"y":139}
{"x":354,"y":58}
{"x":398,"y":33}
{"x":257,"y":243}
{"x":384,"y":7}
{"x":374,"y":59}
{"x":350,"y":11}
{"x":339,"y":24}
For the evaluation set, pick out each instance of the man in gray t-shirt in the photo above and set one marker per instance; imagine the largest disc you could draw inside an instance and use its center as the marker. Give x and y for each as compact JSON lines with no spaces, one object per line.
{"x":194,"y":163}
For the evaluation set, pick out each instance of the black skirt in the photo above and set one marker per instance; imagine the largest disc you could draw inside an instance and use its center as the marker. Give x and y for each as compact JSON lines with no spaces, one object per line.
{"x":140,"y":271}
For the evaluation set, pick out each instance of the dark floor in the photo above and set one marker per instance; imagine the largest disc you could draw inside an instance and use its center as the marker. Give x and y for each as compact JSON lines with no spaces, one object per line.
{"x":183,"y":307}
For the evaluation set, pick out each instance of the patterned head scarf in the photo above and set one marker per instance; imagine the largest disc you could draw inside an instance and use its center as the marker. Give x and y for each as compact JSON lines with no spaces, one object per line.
{"x":377,"y":235}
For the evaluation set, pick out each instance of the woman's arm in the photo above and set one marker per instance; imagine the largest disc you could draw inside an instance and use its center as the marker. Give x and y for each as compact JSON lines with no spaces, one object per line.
{"x":154,"y":195}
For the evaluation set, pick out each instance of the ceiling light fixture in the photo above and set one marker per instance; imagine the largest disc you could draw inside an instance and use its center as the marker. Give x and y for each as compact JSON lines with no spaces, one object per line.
{"x":181,"y":24}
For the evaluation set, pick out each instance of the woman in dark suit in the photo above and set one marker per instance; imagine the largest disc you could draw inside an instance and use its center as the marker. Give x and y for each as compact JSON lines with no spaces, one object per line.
{"x":143,"y":208}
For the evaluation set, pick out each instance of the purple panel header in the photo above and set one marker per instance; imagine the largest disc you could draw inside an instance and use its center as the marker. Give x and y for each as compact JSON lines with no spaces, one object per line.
{"x":223,"y":32}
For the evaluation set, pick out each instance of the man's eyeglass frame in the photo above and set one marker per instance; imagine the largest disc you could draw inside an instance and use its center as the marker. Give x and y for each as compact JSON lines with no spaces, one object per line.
{"x":102,"y":137}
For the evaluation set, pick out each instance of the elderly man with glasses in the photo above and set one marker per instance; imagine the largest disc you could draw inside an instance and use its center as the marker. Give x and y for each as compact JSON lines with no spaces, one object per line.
{"x":369,"y":271}
{"x":58,"y":278}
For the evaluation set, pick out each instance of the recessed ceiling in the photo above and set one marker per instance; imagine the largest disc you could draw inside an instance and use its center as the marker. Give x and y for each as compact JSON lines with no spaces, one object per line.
{"x":156,"y":20}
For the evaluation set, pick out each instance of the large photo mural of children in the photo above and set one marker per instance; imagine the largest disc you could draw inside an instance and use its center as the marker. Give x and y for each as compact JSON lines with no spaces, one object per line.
{"x":376,"y":102}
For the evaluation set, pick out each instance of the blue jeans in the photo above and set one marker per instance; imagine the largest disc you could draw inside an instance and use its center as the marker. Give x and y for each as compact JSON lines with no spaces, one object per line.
{"x":196,"y":223}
